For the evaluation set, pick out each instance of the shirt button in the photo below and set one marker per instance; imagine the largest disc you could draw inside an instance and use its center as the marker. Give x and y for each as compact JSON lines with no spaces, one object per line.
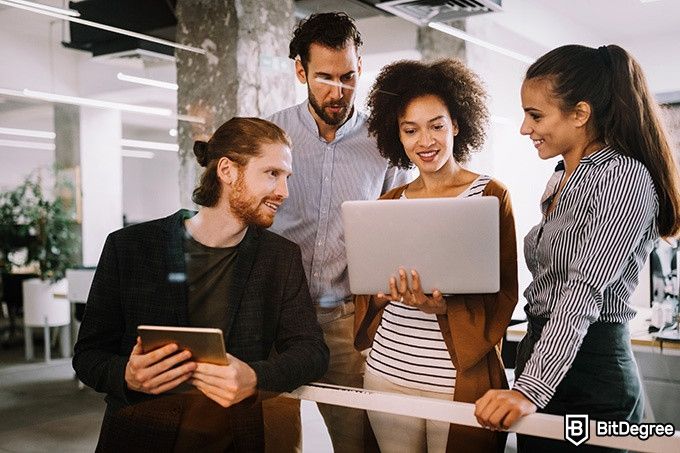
{"x":320,"y":243}
{"x":326,"y":178}
{"x":316,"y":274}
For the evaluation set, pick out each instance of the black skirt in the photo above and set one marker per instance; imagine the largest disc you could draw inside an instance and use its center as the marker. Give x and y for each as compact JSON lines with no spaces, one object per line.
{"x":603,"y":382}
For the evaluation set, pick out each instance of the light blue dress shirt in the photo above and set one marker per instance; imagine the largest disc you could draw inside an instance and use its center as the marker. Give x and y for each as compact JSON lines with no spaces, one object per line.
{"x":324,"y":176}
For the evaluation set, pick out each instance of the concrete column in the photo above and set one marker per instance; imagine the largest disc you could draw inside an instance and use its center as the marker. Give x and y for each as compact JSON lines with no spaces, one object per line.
{"x":67,"y":159}
{"x":434,"y":44}
{"x":246,"y":71}
{"x":90,"y":173}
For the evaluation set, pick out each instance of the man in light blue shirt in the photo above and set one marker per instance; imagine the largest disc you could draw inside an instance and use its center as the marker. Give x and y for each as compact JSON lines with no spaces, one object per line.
{"x":334,"y":160}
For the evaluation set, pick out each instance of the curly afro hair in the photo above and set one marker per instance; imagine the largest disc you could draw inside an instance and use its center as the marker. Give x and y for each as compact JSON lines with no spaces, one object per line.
{"x":450,"y":80}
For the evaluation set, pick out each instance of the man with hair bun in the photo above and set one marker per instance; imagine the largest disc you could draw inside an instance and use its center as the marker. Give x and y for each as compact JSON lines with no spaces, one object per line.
{"x":217,"y":268}
{"x":335,"y":160}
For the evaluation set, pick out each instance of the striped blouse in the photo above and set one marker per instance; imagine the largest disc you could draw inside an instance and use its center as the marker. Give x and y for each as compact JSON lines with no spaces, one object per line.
{"x":585,"y":257}
{"x":408,"y":348}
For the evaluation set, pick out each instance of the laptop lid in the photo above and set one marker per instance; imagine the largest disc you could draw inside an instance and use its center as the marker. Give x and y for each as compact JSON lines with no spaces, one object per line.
{"x":453,"y":243}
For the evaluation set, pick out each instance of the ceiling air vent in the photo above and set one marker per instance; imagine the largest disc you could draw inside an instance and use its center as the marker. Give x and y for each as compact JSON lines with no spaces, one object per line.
{"x":421,"y":12}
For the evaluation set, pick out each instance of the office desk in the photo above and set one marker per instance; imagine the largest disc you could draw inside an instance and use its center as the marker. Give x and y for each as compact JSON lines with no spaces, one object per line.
{"x":641,"y":339}
{"x":658,"y":363}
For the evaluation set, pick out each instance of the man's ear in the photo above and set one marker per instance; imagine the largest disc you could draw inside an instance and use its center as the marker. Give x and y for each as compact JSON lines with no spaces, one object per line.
{"x":581,"y":113}
{"x":300,"y":72}
{"x":359,"y":61}
{"x":227,"y":171}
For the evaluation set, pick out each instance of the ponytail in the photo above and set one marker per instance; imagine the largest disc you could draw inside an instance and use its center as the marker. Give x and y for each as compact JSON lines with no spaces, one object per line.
{"x":625,"y":115}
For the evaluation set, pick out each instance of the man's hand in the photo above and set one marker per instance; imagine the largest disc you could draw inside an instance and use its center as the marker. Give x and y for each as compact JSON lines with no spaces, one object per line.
{"x":225,"y":384}
{"x":499,"y":409}
{"x":153,"y":372}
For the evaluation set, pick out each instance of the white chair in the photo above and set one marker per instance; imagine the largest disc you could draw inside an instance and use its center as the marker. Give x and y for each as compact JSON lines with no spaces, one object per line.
{"x":42,"y":309}
{"x":79,"y":282}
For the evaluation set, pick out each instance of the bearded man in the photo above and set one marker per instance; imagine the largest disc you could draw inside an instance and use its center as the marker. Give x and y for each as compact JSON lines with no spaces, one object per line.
{"x":216,"y":268}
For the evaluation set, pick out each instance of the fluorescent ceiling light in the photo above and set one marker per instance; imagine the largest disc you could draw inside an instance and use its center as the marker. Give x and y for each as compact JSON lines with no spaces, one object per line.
{"x":159,"y":146}
{"x":28,"y":145}
{"x":96,"y":103}
{"x":68,"y":12}
{"x":138,"y":154}
{"x":480,"y":42}
{"x":90,"y":23}
{"x":75,"y":100}
{"x":27,"y":133}
{"x":148,"y":82}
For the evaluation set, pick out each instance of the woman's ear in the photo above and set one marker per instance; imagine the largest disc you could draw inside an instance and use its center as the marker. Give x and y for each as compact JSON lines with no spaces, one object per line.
{"x":227,"y":171}
{"x":581,"y":114}
{"x":454,"y":127}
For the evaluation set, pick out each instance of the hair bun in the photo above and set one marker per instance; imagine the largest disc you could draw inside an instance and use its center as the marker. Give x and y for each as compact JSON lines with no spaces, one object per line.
{"x":201,"y":152}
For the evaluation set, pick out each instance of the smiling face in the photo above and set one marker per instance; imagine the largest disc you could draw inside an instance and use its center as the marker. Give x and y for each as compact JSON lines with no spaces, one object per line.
{"x":331,"y":104}
{"x":427,"y":131}
{"x":553,"y":131}
{"x":261,"y":185}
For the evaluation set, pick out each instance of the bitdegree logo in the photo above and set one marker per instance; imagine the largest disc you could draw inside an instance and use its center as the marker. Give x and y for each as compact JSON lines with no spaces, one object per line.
{"x":623,"y":428}
{"x":577,"y":429}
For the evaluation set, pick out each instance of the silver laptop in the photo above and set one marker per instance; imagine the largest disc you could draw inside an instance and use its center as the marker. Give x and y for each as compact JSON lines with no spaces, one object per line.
{"x":452,"y":243}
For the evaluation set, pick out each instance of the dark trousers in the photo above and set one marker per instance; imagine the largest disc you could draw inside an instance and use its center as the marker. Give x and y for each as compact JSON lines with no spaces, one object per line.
{"x":602,"y":382}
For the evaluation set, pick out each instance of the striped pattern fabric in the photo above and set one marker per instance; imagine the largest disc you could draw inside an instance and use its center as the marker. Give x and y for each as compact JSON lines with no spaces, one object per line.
{"x":324,"y":176}
{"x":409,"y":348}
{"x":585,"y":258}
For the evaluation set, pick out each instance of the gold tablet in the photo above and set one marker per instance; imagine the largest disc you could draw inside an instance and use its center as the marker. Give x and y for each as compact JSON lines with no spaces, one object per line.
{"x":206,"y":345}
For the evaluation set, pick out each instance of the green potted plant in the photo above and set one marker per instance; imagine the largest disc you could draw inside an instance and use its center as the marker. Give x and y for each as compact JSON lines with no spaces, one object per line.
{"x":41,"y":226}
{"x":37,"y":233}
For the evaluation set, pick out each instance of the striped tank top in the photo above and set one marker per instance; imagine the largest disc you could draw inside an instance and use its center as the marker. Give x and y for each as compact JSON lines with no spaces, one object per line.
{"x":408,"y":348}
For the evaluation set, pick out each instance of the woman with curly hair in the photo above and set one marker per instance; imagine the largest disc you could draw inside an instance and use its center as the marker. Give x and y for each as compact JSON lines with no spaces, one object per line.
{"x":422,"y":342}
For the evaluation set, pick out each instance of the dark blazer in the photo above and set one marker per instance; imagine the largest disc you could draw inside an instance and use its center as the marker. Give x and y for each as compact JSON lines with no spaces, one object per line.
{"x":141,"y":279}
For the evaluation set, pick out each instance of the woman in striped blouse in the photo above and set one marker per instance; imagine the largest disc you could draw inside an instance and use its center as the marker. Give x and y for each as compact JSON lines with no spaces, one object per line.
{"x":615,"y":191}
{"x":433,"y":116}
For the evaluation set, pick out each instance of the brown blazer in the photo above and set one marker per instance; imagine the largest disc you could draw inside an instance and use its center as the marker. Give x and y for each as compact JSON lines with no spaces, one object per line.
{"x":473,"y":329}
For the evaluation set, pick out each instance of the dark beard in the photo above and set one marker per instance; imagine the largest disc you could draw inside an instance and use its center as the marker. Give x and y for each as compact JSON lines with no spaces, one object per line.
{"x":335,"y":120}
{"x":247,"y":208}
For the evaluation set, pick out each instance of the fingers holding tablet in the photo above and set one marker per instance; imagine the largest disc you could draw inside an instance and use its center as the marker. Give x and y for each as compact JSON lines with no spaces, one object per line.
{"x":159,"y":370}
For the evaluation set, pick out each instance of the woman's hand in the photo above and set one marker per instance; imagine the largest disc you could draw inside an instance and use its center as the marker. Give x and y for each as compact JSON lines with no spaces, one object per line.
{"x":414,"y":297}
{"x":500,"y":409}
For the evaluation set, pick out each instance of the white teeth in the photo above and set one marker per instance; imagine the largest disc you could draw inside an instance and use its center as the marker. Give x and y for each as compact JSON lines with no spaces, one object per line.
{"x":537,"y":142}
{"x":427,"y":154}
{"x":271,"y":205}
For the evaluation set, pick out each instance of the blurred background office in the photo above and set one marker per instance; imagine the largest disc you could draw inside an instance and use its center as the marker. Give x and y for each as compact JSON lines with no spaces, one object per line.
{"x":103,"y":120}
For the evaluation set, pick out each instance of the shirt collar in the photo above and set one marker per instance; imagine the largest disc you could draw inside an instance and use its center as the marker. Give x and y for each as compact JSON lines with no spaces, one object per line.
{"x":308,"y":121}
{"x":598,"y":157}
{"x":603,"y":155}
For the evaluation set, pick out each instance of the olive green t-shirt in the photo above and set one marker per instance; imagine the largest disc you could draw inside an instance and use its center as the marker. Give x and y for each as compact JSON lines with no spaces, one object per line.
{"x":205,"y":425}
{"x":209,"y":275}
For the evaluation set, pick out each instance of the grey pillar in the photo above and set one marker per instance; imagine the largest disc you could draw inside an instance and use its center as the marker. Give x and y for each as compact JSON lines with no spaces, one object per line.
{"x":246,"y":71}
{"x":67,"y":159}
{"x":434,"y":44}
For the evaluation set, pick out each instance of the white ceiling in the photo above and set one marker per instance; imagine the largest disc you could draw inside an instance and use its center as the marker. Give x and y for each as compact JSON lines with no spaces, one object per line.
{"x":615,"y":21}
{"x":620,"y":20}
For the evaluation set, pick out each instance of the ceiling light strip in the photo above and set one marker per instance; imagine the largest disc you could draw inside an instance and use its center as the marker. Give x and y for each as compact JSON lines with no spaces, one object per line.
{"x":96,"y":103}
{"x":452,"y":31}
{"x":74,"y":100}
{"x":159,"y":146}
{"x":68,"y":12}
{"x":28,"y":145}
{"x":105,"y":27}
{"x":138,"y":154}
{"x":27,"y":133}
{"x":148,"y":82}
